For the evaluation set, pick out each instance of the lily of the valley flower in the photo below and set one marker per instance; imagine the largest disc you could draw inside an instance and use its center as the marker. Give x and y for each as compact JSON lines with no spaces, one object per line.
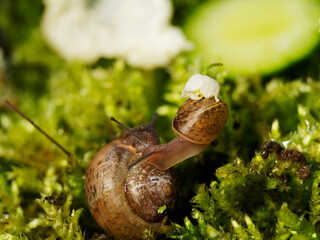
{"x":137,"y":31}
{"x":199,"y":86}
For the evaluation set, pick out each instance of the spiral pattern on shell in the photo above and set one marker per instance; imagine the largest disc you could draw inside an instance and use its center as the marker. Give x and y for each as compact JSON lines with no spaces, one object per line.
{"x":200,"y":121}
{"x":125,"y":201}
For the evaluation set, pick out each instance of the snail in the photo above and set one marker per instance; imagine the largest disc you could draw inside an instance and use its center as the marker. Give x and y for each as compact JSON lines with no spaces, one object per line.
{"x":287,"y":154}
{"x":130,"y":178}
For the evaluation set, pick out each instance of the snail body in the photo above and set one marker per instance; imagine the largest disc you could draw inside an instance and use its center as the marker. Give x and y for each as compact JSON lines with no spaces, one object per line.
{"x":197,"y":123}
{"x":130,"y":178}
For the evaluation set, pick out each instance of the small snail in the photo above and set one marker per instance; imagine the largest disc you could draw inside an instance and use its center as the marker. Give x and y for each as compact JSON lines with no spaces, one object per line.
{"x":130,"y":178}
{"x":287,"y":154}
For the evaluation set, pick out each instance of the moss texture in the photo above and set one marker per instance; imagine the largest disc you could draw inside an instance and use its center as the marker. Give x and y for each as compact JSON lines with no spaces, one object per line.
{"x":232,"y":194}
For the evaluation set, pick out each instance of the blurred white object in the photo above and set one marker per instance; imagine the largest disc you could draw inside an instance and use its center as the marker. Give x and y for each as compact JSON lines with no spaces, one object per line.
{"x":137,"y":31}
{"x":199,"y":86}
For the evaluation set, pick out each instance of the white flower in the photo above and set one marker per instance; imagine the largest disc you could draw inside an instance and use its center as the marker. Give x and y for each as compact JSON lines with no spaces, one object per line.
{"x":199,"y":86}
{"x":137,"y":31}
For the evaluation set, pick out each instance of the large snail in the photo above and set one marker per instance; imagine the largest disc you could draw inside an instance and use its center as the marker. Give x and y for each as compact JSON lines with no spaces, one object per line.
{"x":130,"y":178}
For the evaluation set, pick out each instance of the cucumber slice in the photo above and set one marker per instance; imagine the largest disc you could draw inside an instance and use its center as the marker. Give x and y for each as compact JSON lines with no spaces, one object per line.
{"x":254,"y":36}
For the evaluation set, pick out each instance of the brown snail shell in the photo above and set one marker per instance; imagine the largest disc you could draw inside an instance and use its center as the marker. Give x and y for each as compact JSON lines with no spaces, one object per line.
{"x":125,"y":201}
{"x":130,"y":178}
{"x":200,"y":121}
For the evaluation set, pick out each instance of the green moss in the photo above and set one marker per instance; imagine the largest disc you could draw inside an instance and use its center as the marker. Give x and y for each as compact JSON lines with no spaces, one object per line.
{"x":235,"y":194}
{"x":263,"y":199}
{"x":230,"y":207}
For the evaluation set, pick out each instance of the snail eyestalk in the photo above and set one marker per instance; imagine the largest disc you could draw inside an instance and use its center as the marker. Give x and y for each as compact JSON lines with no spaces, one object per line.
{"x":70,"y":161}
{"x":129,"y":131}
{"x":154,"y":118}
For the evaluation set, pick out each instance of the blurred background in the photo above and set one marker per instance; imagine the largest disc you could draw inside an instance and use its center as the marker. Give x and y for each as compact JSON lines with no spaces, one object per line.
{"x":70,"y":65}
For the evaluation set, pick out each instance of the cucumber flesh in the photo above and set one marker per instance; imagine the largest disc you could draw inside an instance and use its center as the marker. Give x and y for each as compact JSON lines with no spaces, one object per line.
{"x":254,"y":36}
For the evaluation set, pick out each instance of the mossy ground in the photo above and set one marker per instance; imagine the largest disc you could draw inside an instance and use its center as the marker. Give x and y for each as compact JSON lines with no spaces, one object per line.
{"x":230,"y":192}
